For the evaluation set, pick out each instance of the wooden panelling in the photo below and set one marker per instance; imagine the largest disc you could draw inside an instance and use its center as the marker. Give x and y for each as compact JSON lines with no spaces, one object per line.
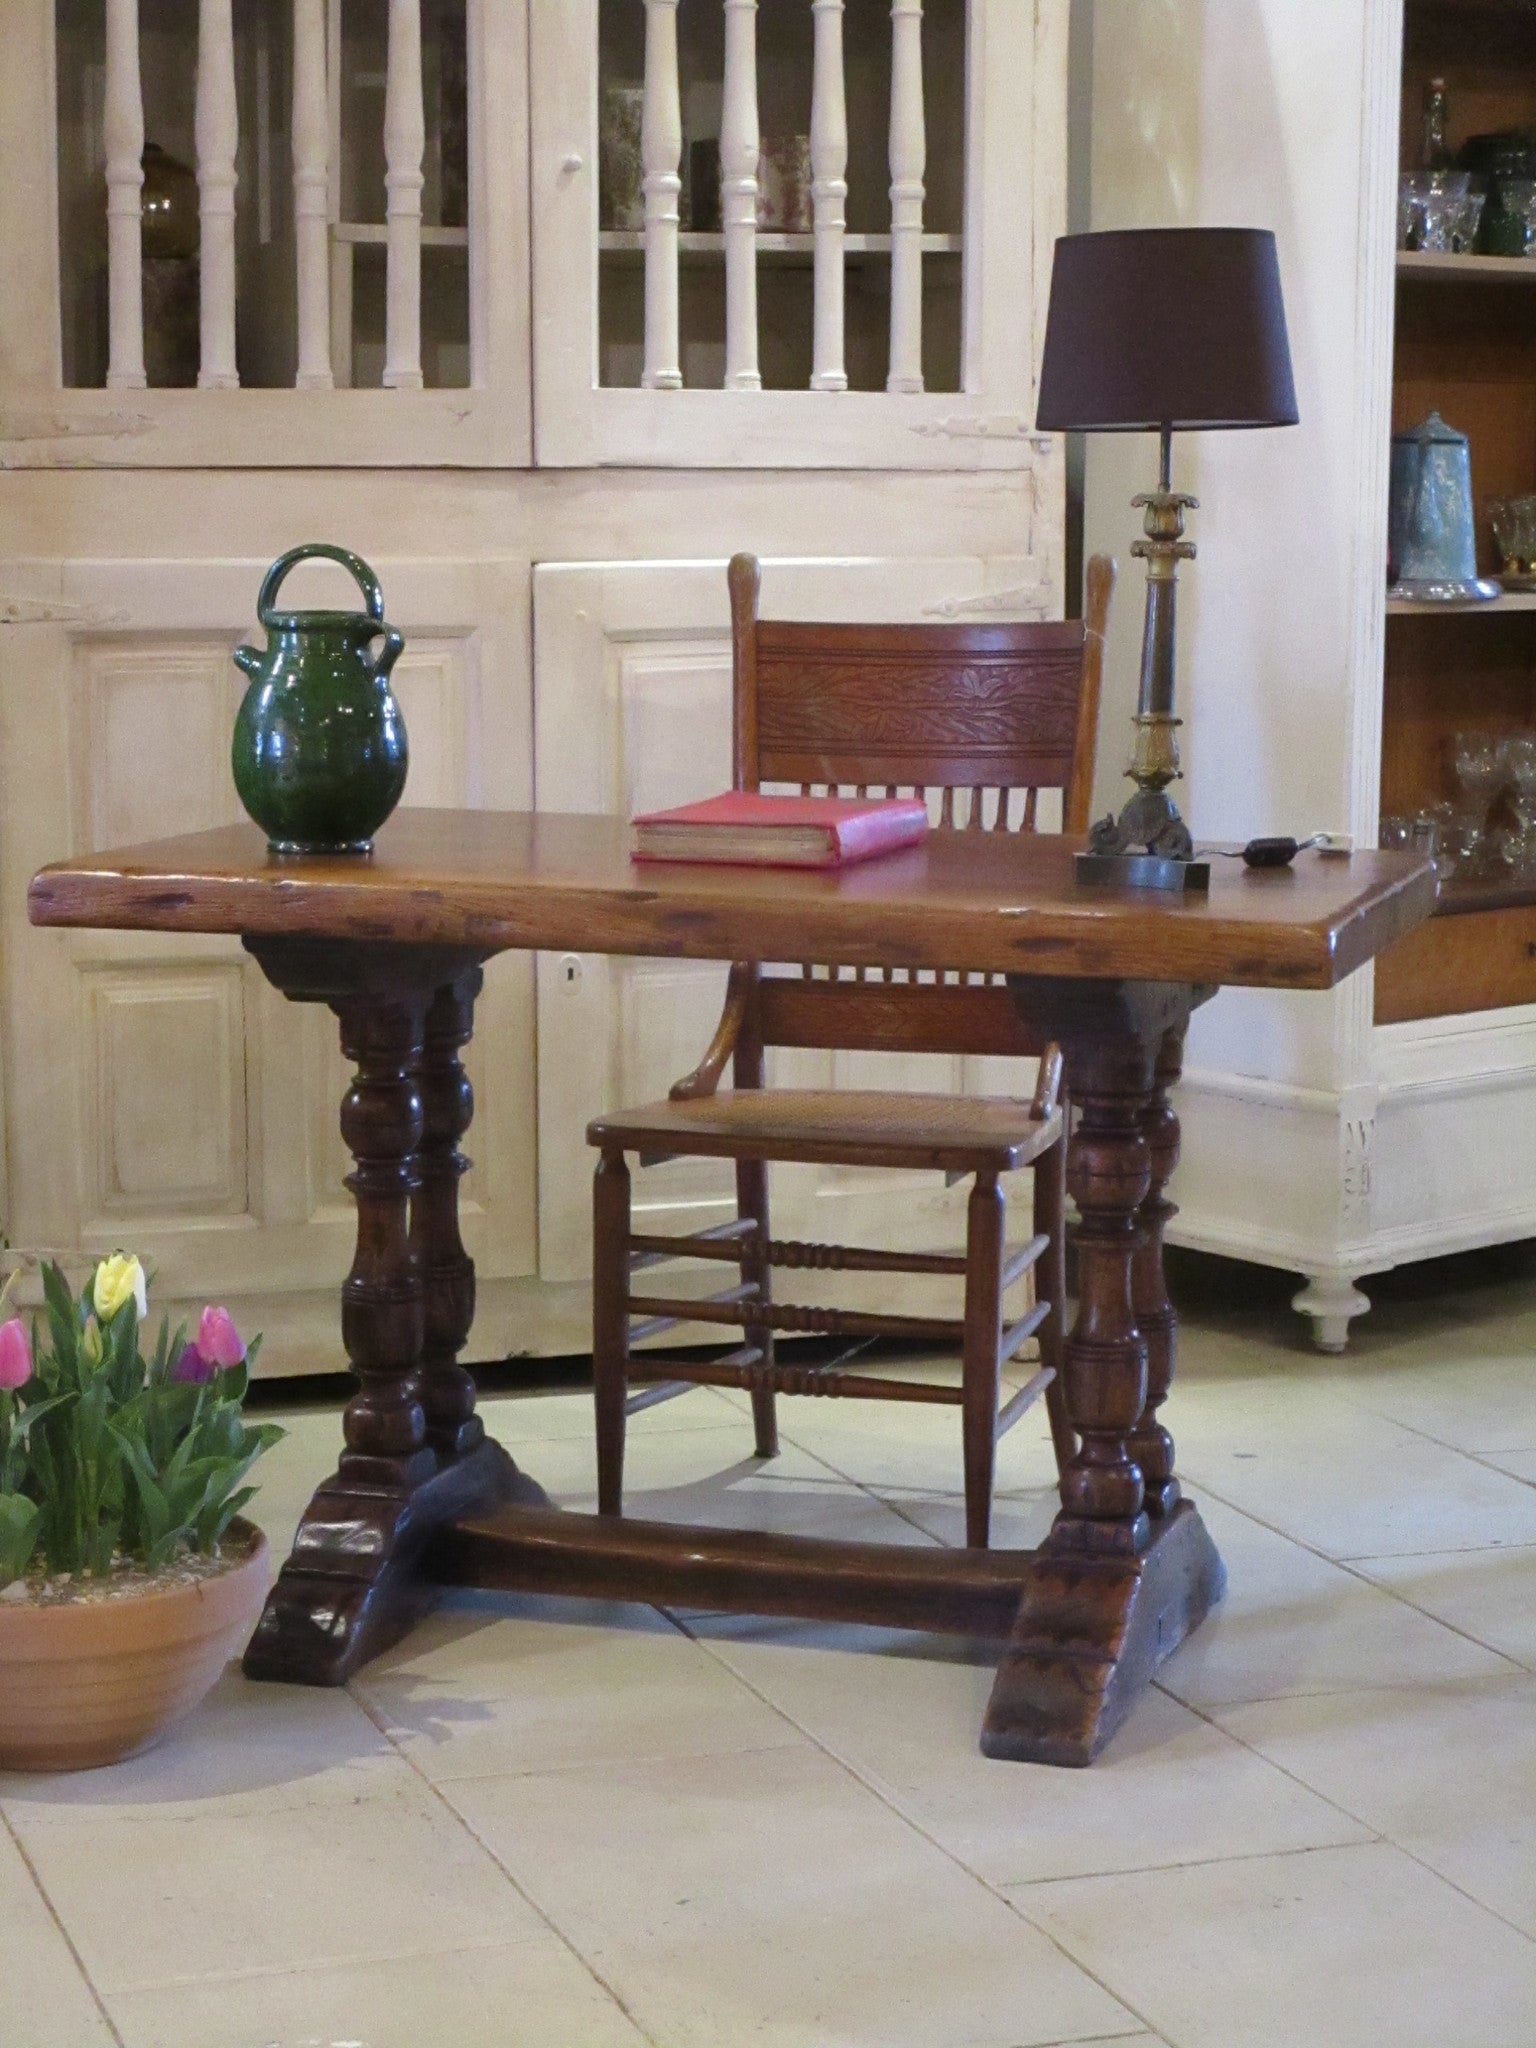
{"x":1479,"y":961}
{"x":167,"y":1135}
{"x":153,"y":725}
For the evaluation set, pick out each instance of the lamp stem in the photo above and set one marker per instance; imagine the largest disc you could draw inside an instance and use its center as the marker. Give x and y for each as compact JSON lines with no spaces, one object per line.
{"x":1165,"y":459}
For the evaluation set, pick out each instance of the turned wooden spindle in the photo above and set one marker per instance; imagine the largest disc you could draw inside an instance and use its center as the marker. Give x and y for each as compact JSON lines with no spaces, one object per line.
{"x":1105,"y":1355}
{"x":447,"y":1270}
{"x":1151,"y":1445}
{"x":382,"y":1320}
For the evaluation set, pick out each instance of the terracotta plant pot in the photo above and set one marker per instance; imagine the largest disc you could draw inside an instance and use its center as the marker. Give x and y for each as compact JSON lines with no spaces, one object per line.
{"x":90,"y":1682}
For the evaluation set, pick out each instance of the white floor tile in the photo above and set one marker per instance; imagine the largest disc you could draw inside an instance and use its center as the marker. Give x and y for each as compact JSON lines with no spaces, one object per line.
{"x":770,"y":1898}
{"x":1446,"y":1772}
{"x":535,"y":1418}
{"x":248,"y":1749}
{"x":45,"y":2001}
{"x":1477,"y":1394}
{"x":1332,"y":1948}
{"x":911,"y":1446}
{"x":489,"y":1686}
{"x":709,"y":1476}
{"x":158,"y":1900}
{"x":1489,"y":1595}
{"x":904,"y":1712}
{"x":1521,"y":1464}
{"x":1355,"y":1485}
{"x":1292,"y":1622}
{"x":533,"y":1995}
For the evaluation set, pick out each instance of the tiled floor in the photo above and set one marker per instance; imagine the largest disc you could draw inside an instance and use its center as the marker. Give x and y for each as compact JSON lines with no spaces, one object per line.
{"x":572,"y":1826}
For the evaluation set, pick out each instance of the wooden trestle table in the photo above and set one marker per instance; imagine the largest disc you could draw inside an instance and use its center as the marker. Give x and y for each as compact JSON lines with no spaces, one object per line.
{"x":421,"y":1496}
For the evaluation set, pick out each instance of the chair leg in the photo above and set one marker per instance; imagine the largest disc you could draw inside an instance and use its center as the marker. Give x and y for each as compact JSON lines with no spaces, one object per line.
{"x":985,"y":1222}
{"x":752,"y":1200}
{"x":1051,"y":1277}
{"x":610,"y":1324}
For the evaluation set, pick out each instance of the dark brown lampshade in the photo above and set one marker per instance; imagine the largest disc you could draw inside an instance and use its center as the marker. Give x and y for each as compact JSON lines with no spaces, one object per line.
{"x":1166,"y":327}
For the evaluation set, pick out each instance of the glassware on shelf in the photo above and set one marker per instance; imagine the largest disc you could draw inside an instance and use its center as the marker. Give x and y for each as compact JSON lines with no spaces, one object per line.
{"x":1514,"y":528}
{"x":1517,"y":197}
{"x":1438,"y":211}
{"x":1435,"y":152}
{"x":1481,"y":769}
{"x":1520,"y":754}
{"x":1465,"y":848}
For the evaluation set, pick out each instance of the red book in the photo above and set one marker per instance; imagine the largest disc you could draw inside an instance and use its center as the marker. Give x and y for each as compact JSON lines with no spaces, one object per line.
{"x":744,"y":827}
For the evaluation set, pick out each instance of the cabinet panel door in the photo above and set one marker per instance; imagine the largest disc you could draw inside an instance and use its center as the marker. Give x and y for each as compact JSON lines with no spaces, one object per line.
{"x":993,"y":176}
{"x":632,"y":703}
{"x":159,"y":1093}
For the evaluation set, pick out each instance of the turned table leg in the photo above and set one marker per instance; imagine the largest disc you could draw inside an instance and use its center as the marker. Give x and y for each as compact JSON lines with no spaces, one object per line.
{"x":415,"y":1453}
{"x":1128,"y":1569}
{"x":447,"y":1270}
{"x":1151,"y":1445}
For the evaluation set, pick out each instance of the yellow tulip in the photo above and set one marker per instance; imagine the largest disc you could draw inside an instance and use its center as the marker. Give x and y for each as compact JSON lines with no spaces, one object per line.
{"x":118,"y":1281}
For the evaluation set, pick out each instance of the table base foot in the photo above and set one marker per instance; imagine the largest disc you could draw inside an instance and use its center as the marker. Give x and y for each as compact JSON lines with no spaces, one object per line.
{"x":354,"y":1583}
{"x":1089,"y":1634}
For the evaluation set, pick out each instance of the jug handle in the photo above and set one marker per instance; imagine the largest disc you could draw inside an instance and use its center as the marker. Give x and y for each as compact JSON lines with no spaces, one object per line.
{"x":311,"y":550}
{"x":389,"y":653}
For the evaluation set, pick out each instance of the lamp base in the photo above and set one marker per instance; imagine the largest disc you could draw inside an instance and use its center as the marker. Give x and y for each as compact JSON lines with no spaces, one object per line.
{"x":1148,"y":846}
{"x":1141,"y":871}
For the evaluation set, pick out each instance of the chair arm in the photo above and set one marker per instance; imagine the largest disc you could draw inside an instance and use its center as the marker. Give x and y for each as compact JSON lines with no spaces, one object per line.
{"x":705,"y":1078}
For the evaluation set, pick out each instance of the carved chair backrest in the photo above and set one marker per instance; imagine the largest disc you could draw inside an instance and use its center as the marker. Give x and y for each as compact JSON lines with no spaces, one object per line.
{"x":981,"y":716}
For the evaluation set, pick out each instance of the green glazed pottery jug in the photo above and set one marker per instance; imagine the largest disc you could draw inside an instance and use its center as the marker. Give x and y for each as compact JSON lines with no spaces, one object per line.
{"x":320,"y":750}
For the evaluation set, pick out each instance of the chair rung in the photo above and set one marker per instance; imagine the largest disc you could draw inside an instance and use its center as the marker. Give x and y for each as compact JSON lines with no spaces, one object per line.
{"x":809,"y":1322}
{"x":1020,"y":1262}
{"x":792,"y":1256}
{"x":709,"y":1308}
{"x":1026,"y":1397}
{"x":748,"y":1370}
{"x":723,"y":1242}
{"x":1020,"y":1333}
{"x":650,"y":1367}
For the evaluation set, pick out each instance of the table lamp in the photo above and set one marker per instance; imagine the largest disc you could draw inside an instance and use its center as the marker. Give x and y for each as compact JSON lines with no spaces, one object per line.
{"x":1153,"y":330}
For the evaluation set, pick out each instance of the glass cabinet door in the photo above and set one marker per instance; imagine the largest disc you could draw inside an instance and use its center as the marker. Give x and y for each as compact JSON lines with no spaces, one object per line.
{"x":289,"y":231}
{"x":806,"y":232}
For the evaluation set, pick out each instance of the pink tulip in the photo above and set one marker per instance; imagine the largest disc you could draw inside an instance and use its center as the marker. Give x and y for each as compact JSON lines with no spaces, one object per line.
{"x":192,"y":1369}
{"x":15,"y":1355}
{"x":217,"y":1340}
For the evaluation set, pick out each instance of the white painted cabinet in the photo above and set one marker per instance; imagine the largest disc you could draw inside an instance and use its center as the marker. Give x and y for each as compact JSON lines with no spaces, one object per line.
{"x":546,"y":431}
{"x":162,"y":1095}
{"x":1315,"y":1139}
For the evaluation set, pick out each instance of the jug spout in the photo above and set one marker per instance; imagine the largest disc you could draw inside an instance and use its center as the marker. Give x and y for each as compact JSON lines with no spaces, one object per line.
{"x":248,"y":658}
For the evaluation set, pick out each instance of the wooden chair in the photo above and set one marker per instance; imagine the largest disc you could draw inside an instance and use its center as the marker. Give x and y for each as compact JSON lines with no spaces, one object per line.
{"x":960,"y":709}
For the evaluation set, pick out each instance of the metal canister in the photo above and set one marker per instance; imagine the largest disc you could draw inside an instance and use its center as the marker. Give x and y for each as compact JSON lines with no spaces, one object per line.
{"x":1430,"y":523}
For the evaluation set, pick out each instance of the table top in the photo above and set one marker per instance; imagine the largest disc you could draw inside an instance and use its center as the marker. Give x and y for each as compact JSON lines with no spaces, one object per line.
{"x":987,"y":901}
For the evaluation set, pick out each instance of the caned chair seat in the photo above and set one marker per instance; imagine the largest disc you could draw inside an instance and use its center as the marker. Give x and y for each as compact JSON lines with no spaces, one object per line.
{"x":838,"y":1127}
{"x":980,"y":718}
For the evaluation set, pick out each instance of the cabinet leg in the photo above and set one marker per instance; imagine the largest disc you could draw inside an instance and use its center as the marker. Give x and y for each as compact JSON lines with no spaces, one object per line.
{"x":1333,"y":1301}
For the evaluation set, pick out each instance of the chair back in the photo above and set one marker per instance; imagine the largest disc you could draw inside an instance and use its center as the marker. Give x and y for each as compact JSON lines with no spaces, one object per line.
{"x":985,"y":716}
